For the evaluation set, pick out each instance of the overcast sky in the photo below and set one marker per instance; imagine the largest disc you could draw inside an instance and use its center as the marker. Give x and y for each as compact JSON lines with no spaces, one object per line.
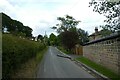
{"x":40,"y":15}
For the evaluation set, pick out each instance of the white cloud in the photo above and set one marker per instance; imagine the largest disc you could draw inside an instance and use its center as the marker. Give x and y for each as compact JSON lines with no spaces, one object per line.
{"x":40,"y":15}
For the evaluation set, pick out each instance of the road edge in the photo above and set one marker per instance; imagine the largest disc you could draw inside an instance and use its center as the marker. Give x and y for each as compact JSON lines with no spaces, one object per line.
{"x":85,"y":66}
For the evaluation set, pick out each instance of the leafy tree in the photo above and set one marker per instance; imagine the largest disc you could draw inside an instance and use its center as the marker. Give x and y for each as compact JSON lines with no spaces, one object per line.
{"x":28,"y":31}
{"x":69,"y":39}
{"x":18,"y":26}
{"x":83,"y":36}
{"x":105,"y":32}
{"x":40,"y":38}
{"x":66,"y":24}
{"x":111,"y":10}
{"x":6,"y":22}
{"x":15,"y":27}
{"x":53,"y":39}
{"x":59,"y":42}
{"x":68,"y":31}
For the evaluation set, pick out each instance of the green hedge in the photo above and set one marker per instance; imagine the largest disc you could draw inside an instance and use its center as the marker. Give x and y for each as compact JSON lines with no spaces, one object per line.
{"x":17,"y":51}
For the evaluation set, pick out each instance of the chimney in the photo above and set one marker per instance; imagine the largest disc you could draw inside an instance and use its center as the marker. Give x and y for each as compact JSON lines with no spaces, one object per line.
{"x":96,"y":29}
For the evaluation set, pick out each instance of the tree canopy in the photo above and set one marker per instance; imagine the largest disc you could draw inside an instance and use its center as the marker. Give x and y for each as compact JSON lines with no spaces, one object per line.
{"x":40,"y":37}
{"x":53,"y":39}
{"x":110,"y":9}
{"x":83,"y":36}
{"x":69,"y":39}
{"x":66,"y":24}
{"x":15,"y":27}
{"x":69,"y":34}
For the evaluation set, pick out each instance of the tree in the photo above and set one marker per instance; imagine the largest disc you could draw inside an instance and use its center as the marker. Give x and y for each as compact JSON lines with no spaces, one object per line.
{"x":53,"y":39}
{"x":83,"y":36}
{"x":69,"y":39}
{"x":105,"y":32}
{"x":111,"y":10}
{"x":68,"y":31}
{"x":15,"y":27}
{"x":40,"y":37}
{"x":66,"y":24}
{"x":7,"y":22}
{"x":28,"y":31}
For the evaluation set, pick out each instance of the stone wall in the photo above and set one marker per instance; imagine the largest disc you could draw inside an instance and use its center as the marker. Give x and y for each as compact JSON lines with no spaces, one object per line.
{"x":105,"y":51}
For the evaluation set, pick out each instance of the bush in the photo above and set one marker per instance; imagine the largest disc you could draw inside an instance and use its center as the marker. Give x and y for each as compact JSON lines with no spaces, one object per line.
{"x":17,"y":51}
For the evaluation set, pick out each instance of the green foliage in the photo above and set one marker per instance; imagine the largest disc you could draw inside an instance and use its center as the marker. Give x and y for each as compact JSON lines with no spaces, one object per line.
{"x":30,"y":67}
{"x":40,"y":55}
{"x":69,"y":39}
{"x":53,"y":39}
{"x":67,"y":23}
{"x":63,"y":50}
{"x":67,"y":31}
{"x":69,"y":35}
{"x":83,"y":36}
{"x":98,"y":67}
{"x":6,"y":21}
{"x":15,"y":27}
{"x":40,"y":38}
{"x":105,"y":32}
{"x":111,"y":10}
{"x":17,"y":51}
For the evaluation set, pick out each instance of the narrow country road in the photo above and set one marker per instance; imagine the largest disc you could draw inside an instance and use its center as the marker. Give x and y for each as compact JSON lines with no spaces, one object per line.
{"x":53,"y":66}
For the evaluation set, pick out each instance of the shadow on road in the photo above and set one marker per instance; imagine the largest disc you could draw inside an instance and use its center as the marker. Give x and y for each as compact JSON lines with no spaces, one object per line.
{"x":59,"y":55}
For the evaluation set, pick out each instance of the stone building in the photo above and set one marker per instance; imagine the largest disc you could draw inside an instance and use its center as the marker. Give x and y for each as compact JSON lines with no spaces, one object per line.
{"x":96,"y":35}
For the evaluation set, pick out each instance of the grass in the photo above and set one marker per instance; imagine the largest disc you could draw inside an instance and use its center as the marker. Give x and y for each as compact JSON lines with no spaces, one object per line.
{"x":40,"y":55}
{"x":98,"y":68}
{"x":63,"y":50}
{"x":17,"y":51}
{"x":29,"y":68}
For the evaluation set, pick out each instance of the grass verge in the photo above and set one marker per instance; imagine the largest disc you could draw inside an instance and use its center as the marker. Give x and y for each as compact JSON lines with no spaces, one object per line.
{"x":98,"y":68}
{"x":28,"y":69}
{"x":63,"y":50}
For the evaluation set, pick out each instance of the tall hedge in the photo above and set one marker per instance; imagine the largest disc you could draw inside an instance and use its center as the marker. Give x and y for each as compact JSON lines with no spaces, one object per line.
{"x":17,"y":51}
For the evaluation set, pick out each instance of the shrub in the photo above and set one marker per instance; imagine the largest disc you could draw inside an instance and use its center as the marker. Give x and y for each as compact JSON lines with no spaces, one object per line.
{"x":17,"y":51}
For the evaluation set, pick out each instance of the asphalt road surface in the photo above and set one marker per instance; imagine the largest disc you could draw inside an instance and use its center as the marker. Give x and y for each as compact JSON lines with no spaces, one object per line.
{"x":53,"y":66}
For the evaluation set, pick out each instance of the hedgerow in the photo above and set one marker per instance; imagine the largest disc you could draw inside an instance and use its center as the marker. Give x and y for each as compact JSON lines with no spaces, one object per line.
{"x":17,"y":51}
